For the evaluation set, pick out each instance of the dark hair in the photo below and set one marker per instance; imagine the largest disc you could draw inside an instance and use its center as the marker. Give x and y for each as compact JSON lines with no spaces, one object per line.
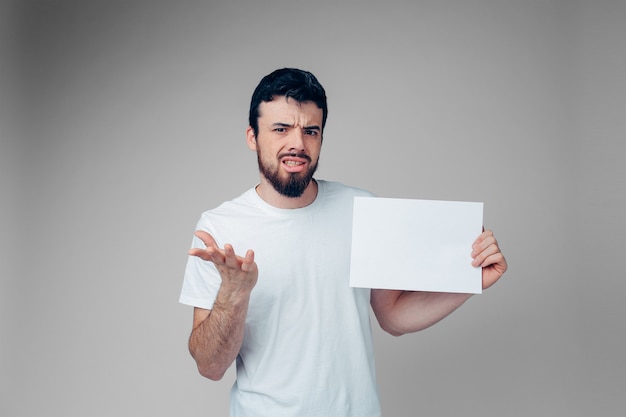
{"x":288,"y":82}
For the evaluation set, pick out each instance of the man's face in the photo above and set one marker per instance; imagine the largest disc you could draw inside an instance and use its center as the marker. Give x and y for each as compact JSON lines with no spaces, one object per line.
{"x":288,"y":143}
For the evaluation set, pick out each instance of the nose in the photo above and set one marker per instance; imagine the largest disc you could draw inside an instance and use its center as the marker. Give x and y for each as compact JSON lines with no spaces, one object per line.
{"x":296,"y":141}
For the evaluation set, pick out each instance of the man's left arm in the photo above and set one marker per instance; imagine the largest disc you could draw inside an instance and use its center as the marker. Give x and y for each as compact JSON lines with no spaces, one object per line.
{"x":399,"y":312}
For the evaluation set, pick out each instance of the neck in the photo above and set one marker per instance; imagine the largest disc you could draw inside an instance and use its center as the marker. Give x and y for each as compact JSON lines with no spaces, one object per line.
{"x":266,"y":191}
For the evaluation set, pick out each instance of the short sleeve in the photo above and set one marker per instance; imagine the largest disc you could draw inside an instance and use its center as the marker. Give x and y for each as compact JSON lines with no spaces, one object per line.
{"x":201,"y":281}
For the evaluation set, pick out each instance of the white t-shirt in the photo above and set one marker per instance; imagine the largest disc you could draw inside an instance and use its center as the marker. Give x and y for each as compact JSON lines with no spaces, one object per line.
{"x":307,"y":348}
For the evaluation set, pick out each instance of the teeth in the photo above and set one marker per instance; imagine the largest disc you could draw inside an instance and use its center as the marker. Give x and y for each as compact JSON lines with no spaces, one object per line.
{"x":292,"y":163}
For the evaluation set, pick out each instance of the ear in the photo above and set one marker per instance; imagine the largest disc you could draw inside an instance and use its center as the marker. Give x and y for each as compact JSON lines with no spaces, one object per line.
{"x":251,"y":138}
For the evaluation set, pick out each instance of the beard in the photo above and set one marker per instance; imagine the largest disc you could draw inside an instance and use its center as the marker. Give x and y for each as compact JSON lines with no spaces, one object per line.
{"x":294,"y":185}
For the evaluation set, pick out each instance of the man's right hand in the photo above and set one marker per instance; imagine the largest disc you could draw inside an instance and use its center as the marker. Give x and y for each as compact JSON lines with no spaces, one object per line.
{"x":239,"y":274}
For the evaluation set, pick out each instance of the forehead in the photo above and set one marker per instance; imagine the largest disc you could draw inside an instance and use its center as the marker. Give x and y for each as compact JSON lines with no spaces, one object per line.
{"x":285,"y":109}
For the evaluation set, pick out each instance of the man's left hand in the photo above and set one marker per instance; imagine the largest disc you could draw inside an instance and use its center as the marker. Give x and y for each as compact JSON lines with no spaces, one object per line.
{"x":486,"y":254}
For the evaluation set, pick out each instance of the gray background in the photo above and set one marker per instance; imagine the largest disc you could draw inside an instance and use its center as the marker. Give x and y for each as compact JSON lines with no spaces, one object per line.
{"x":123,"y":121}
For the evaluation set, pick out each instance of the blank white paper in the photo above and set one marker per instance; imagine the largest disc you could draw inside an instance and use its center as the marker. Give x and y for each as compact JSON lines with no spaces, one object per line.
{"x":418,"y":245}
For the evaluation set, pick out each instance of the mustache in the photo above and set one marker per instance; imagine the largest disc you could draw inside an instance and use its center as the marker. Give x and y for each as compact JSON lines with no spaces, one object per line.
{"x":295,"y":155}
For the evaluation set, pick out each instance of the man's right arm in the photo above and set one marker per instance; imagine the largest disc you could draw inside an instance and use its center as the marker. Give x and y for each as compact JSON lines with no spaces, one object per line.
{"x":218,"y":333}
{"x":217,"y":336}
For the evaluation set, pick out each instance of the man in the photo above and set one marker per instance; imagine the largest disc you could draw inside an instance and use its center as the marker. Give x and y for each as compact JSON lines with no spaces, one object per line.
{"x":283,"y":310}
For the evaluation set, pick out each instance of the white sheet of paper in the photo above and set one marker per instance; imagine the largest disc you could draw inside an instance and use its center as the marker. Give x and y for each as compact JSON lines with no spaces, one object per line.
{"x":419,"y":245}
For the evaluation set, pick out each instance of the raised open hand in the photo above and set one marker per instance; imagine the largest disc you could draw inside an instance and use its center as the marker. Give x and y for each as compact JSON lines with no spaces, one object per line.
{"x":238,"y":273}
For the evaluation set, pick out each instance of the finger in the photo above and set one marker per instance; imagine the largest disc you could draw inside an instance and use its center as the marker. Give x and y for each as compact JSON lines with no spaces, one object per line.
{"x":206,"y":238}
{"x":488,"y":259}
{"x":483,"y":242}
{"x":495,"y":262}
{"x":230,"y":259}
{"x":200,"y":253}
{"x":483,"y":246}
{"x":248,"y":261}
{"x":480,"y":255}
{"x":484,"y":235}
{"x":210,"y":254}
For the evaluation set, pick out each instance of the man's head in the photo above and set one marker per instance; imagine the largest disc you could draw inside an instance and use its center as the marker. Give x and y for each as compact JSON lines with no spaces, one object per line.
{"x":290,"y":83}
{"x":287,"y":116}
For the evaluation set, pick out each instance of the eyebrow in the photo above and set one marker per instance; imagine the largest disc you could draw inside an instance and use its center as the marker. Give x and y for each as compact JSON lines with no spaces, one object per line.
{"x":314,"y":127}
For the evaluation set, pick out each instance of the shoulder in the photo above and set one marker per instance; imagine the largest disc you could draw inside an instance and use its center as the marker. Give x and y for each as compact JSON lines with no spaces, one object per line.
{"x":241,"y":206}
{"x":333,"y":188}
{"x":338,"y":198}
{"x":243,"y":202}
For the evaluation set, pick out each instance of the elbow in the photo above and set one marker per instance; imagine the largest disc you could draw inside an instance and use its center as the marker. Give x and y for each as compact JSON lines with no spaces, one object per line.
{"x":395,"y":333}
{"x":393,"y":330}
{"x":207,"y":368}
{"x":399,"y":328}
{"x":212,"y":374}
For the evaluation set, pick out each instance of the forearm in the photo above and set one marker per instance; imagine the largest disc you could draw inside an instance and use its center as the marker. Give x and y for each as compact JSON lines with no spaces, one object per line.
{"x":400,"y":312}
{"x":216,"y":341}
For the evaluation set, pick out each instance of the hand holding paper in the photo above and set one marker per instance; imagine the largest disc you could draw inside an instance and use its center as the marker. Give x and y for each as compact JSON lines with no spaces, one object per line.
{"x":486,"y":254}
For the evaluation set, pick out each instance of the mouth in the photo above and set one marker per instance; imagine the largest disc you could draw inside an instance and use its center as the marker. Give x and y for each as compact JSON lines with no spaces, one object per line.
{"x":291,"y":163}
{"x":294,"y":163}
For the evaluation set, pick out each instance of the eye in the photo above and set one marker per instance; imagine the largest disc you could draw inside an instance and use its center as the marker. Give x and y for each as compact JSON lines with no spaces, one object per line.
{"x":310,"y":132}
{"x":280,"y":129}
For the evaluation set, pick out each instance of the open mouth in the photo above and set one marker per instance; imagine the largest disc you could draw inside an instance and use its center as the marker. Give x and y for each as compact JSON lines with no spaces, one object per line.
{"x":295,"y":162}
{"x":291,"y":163}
